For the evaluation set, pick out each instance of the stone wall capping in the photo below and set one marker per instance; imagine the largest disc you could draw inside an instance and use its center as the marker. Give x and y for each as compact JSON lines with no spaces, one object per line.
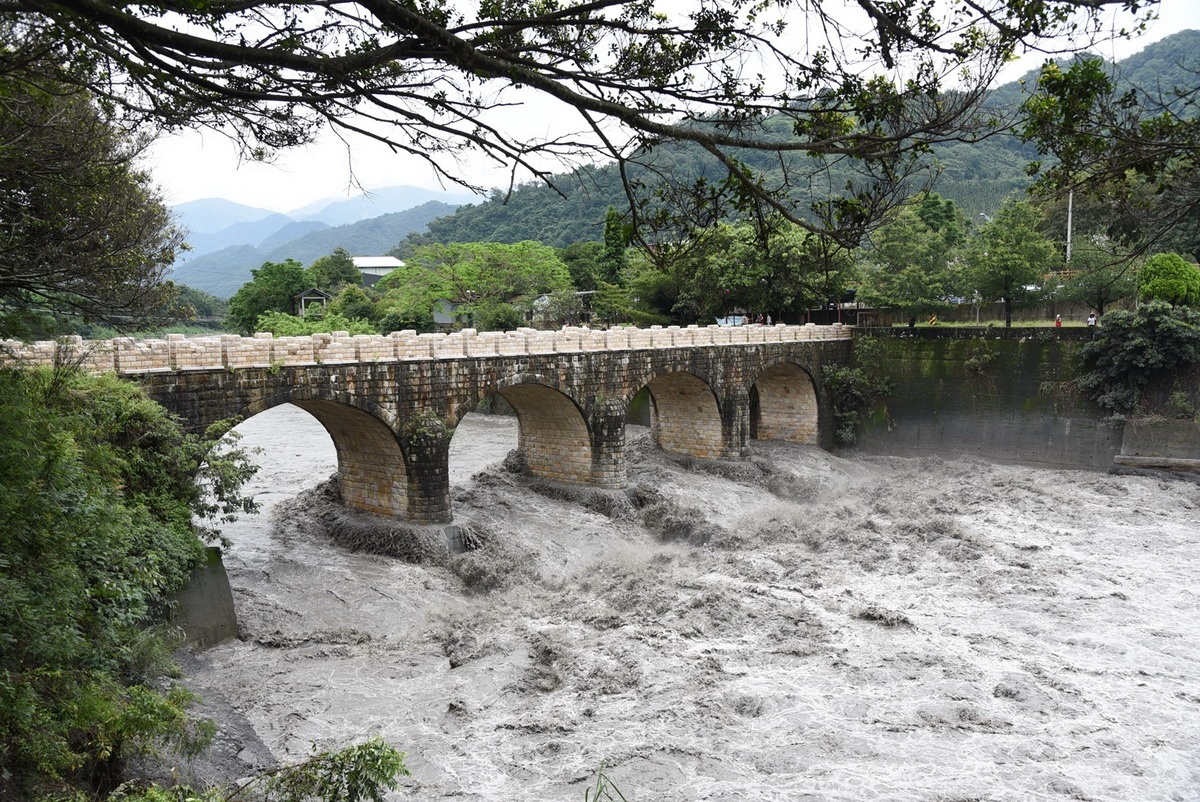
{"x":126,"y":355}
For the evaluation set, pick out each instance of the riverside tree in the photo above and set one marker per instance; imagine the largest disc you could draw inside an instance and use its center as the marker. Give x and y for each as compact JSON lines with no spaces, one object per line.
{"x":84,"y":234}
{"x":1008,"y":257}
{"x":1101,"y":272}
{"x":859,"y":86}
{"x":1144,"y":360}
{"x":910,"y":264}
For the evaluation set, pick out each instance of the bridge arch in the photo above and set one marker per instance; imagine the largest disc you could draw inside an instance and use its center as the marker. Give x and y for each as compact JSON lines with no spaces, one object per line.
{"x":553,"y":436}
{"x":372,"y":469}
{"x":783,"y":405}
{"x":686,"y":415}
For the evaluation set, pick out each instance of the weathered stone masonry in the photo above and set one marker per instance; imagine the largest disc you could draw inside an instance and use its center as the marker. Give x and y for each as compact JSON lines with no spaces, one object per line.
{"x":390,"y":404}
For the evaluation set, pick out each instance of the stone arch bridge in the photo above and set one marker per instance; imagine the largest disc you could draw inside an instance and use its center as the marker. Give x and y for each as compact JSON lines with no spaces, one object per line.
{"x":390,"y":403}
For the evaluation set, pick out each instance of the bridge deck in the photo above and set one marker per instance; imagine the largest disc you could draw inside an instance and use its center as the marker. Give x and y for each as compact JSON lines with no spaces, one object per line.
{"x":174,"y":352}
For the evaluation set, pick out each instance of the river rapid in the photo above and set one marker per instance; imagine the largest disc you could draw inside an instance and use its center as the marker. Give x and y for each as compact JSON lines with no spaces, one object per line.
{"x":797,"y":626}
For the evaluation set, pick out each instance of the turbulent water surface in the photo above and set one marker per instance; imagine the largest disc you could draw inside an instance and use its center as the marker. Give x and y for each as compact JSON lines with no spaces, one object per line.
{"x":798,"y":626}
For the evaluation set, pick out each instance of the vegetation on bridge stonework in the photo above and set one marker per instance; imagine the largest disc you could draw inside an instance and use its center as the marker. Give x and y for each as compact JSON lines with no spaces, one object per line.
{"x":854,"y":389}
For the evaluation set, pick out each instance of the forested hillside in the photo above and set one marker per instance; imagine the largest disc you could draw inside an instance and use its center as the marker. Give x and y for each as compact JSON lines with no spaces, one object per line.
{"x":977,"y":176}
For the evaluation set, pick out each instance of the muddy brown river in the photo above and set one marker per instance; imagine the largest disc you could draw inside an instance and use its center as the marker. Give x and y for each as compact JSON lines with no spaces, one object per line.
{"x":800,"y":626}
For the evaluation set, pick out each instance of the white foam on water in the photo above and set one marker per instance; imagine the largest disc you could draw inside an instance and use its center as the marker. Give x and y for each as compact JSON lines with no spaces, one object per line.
{"x":847,"y":629}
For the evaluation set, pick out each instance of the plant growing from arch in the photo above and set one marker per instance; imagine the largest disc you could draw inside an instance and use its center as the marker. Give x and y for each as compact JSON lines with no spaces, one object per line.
{"x":854,"y":389}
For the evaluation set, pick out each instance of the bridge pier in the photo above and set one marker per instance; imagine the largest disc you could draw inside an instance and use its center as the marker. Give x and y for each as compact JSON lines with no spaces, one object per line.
{"x":608,"y":445}
{"x":735,"y":421}
{"x":427,"y":454}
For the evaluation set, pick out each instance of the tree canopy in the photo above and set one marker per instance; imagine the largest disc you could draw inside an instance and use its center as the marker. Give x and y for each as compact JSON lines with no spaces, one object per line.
{"x":860,"y":85}
{"x":272,"y":288}
{"x":488,"y":281}
{"x":1008,"y":256}
{"x":83,"y":232}
{"x":334,"y":271}
{"x":1134,"y":146}
{"x":1142,"y":357}
{"x":1171,"y":278}
{"x":910,"y":263}
{"x":1099,"y":274}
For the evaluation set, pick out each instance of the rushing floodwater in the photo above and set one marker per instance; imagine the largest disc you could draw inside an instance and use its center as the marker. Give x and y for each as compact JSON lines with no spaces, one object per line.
{"x":795,"y":627}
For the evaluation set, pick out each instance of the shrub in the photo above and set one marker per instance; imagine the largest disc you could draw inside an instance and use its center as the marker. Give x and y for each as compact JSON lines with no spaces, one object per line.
{"x":1140,"y":352}
{"x":855,"y":389}
{"x":1171,"y":278}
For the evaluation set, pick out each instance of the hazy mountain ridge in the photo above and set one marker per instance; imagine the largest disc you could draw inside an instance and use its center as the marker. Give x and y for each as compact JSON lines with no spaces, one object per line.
{"x":222,"y":272}
{"x":215,"y":223}
{"x":227,"y":240}
{"x":210,"y":215}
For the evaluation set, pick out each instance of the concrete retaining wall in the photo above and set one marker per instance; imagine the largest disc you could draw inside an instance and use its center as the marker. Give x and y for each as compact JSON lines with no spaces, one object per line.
{"x":204,"y":609}
{"x":992,"y":393}
{"x":1007,"y":394}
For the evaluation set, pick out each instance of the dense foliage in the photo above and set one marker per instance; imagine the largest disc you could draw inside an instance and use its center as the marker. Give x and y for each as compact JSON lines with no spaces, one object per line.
{"x":493,"y":285}
{"x":774,"y":268}
{"x":1129,"y":139}
{"x":1171,"y":278}
{"x":272,"y":288}
{"x":855,"y":388}
{"x":334,"y":271}
{"x":1143,"y":358}
{"x":910,"y":265}
{"x":98,"y":487}
{"x":1009,"y":257}
{"x":83,"y":232}
{"x":282,"y":324}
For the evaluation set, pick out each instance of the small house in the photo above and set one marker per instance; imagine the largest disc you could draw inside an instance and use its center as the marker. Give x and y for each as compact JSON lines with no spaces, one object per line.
{"x":374,"y":268}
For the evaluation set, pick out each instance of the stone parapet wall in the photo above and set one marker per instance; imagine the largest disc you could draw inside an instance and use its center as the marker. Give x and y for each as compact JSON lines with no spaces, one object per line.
{"x":177,"y":352}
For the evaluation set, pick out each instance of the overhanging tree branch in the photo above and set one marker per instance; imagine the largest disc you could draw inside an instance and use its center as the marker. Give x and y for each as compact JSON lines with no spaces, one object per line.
{"x":421,"y":76}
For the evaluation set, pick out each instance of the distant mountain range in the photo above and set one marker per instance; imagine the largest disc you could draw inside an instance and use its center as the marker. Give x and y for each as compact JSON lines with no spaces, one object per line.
{"x":228,"y":239}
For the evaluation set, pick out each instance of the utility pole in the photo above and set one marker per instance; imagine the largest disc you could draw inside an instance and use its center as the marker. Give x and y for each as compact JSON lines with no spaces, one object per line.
{"x":1070,"y":210}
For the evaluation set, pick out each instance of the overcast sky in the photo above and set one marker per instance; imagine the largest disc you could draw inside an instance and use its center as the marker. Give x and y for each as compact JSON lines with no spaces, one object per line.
{"x":197,"y":165}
